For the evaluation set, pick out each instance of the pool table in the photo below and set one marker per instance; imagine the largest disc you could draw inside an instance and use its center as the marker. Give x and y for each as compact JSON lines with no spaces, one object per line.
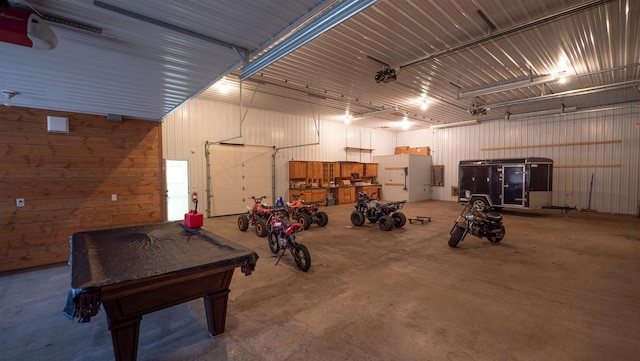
{"x":133,"y":271}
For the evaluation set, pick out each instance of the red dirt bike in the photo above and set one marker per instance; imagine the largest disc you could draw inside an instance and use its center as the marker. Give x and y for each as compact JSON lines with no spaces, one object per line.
{"x":306,"y":213}
{"x":282,"y":237}
{"x":256,"y":216}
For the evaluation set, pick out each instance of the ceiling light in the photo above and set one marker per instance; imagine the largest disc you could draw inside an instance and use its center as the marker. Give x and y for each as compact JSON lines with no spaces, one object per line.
{"x":222,"y":85}
{"x":454,"y":124}
{"x":8,"y":94}
{"x":374,"y":113}
{"x":347,"y":118}
{"x":525,"y":83}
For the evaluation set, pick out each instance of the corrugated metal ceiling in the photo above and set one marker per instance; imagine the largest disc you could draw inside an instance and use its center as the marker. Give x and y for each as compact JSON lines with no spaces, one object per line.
{"x":596,"y":38}
{"x":438,"y":48}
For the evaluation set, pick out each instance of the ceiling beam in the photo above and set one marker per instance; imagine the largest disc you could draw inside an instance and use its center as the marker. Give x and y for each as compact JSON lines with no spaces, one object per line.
{"x":326,"y":21}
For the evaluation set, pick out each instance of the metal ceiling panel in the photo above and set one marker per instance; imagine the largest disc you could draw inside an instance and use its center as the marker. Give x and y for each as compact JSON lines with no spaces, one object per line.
{"x":598,"y":40}
{"x":146,"y":59}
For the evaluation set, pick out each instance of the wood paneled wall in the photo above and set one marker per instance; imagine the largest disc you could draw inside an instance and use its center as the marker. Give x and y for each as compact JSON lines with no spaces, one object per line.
{"x":67,"y":181}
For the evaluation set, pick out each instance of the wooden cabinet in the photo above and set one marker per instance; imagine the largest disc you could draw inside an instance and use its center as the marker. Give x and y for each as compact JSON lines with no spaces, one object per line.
{"x":327,"y":173}
{"x":314,"y":172}
{"x":345,"y":195}
{"x":370,"y":170}
{"x":321,"y":174}
{"x":348,"y":168}
{"x":297,"y":170}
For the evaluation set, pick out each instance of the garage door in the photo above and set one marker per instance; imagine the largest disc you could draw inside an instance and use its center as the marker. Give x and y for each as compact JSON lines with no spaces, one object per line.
{"x":237,"y":173}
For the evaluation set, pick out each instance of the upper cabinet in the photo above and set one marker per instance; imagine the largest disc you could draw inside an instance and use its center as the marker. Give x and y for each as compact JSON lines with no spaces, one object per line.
{"x":348,"y":168}
{"x":297,"y":169}
{"x":370,"y":170}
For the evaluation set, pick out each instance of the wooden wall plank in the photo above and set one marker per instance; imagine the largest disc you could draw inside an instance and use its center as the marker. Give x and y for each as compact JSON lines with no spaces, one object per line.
{"x":67,"y":181}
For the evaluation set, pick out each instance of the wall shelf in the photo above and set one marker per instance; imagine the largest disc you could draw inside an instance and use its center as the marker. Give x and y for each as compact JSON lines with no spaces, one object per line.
{"x":369,"y":150}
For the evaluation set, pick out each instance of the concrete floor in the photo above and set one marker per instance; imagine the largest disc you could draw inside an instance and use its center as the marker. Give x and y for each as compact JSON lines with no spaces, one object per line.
{"x":555,"y":289}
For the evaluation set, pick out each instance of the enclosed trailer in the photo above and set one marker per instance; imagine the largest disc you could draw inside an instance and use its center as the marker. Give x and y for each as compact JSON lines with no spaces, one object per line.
{"x":506,"y":183}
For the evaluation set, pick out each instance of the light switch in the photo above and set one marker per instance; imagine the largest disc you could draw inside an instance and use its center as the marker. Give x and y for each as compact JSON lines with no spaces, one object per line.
{"x":19,"y":202}
{"x":114,"y":197}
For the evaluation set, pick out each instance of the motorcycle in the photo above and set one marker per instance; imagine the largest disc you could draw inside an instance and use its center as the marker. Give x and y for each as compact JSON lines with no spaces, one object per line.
{"x":256,"y":216}
{"x":480,"y":223}
{"x":306,"y":213}
{"x":386,"y":215}
{"x":282,"y":238}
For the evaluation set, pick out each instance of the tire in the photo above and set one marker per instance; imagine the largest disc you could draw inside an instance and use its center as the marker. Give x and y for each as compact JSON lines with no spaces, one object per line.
{"x":456,"y":236}
{"x":357,"y":218}
{"x":261,"y":228}
{"x":479,"y":204}
{"x":243,"y":222}
{"x":302,"y":257}
{"x":273,"y":243}
{"x":385,"y":223}
{"x":399,"y":219}
{"x":323,"y":219}
{"x":305,"y":220}
{"x":496,"y":240}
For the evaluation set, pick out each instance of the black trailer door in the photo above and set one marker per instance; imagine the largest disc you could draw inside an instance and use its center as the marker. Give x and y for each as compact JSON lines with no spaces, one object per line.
{"x":513,"y":185}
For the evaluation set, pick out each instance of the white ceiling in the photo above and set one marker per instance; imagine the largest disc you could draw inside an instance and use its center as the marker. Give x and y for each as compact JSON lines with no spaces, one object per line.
{"x":440,"y":49}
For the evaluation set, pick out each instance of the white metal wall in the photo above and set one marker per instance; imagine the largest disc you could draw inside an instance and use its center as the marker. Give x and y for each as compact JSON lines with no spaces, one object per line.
{"x":185,"y":132}
{"x":615,"y":166}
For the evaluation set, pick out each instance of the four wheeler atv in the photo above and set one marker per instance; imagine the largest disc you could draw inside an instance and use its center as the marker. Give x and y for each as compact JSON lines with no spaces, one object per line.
{"x":256,"y":216}
{"x":306,"y":213}
{"x":386,"y":215}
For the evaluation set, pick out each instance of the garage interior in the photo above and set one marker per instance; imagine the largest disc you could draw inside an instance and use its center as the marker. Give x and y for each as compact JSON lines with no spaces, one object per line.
{"x":111,"y":91}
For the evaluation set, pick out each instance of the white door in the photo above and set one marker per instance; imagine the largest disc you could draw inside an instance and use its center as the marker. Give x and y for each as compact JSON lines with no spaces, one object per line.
{"x":177,"y":173}
{"x":237,"y":173}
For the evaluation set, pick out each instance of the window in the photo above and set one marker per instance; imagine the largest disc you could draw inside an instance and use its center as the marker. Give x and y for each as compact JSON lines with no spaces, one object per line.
{"x":437,"y":176}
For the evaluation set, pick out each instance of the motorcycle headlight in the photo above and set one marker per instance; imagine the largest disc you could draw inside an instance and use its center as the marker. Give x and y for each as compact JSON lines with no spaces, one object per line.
{"x":469,"y":216}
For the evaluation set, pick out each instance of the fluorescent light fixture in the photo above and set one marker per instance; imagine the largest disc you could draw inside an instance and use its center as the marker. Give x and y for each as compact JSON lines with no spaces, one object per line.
{"x":454,"y":124}
{"x":540,"y":113}
{"x":374,"y":113}
{"x":531,"y":81}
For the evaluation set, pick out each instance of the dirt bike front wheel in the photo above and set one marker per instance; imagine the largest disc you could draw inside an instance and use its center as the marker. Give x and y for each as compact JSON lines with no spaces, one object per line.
{"x":273,"y":243}
{"x":456,"y":236}
{"x":301,"y":256}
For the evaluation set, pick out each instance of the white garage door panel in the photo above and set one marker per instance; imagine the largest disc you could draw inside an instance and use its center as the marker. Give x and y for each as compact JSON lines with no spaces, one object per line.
{"x":237,"y":173}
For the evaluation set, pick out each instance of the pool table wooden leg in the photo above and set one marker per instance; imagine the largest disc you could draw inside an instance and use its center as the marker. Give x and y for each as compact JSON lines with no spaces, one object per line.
{"x":215,"y":305}
{"x":124,"y":336}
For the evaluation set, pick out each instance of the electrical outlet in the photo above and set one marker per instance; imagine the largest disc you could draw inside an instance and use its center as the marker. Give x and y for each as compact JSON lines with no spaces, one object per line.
{"x":19,"y":202}
{"x":114,"y":197}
